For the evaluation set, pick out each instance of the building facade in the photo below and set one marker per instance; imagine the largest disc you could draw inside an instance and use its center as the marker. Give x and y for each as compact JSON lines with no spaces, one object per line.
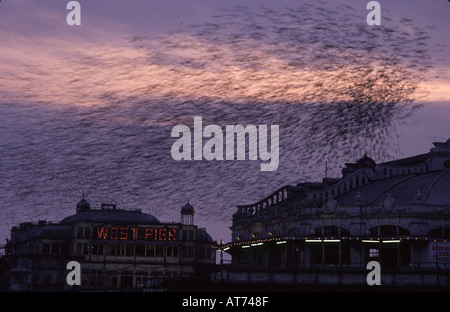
{"x":117,"y":250}
{"x":396,"y":213}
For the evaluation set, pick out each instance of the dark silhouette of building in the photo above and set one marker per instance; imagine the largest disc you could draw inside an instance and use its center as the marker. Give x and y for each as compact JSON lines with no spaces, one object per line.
{"x":117,"y":250}
{"x":396,"y":213}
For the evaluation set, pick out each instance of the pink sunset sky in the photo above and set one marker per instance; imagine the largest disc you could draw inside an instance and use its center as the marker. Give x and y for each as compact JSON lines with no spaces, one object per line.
{"x":46,"y":63}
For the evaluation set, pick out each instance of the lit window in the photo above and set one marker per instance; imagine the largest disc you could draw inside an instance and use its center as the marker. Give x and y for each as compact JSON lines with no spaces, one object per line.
{"x":373,"y":253}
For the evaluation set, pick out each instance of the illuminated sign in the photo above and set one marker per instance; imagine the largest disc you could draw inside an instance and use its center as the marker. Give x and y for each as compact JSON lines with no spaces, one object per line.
{"x":440,"y":253}
{"x":135,"y":233}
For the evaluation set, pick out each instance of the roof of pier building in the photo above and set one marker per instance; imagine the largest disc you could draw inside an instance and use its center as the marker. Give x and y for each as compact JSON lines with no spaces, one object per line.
{"x":418,"y":180}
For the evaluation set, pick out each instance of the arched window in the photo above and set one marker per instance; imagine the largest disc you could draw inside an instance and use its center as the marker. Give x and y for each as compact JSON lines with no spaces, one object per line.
{"x":389,"y":230}
{"x":447,"y":163}
{"x":331,"y":231}
{"x":440,"y":232}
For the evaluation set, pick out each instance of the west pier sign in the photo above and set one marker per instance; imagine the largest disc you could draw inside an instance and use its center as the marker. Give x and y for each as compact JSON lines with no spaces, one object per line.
{"x":135,"y":233}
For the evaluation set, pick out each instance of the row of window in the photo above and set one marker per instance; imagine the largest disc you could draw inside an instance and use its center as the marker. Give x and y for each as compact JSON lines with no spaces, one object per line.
{"x":342,"y":188}
{"x":85,"y":249}
{"x":54,"y":248}
{"x":124,"y":279}
{"x":330,"y":231}
{"x":324,"y":253}
{"x":382,"y":230}
{"x":336,"y":191}
{"x":392,"y":172}
{"x":330,"y":253}
{"x":339,"y":253}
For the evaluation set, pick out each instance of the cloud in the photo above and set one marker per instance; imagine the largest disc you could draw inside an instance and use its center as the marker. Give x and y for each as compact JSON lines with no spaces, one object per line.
{"x":350,"y":83}
{"x":103,"y":97}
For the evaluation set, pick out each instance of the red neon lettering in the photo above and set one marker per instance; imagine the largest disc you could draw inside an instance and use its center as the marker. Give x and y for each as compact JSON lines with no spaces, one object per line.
{"x":134,"y":233}
{"x":102,"y":232}
{"x":162,"y":234}
{"x":123,"y":233}
{"x":149,"y":233}
{"x":113,"y":234}
{"x":172,"y":234}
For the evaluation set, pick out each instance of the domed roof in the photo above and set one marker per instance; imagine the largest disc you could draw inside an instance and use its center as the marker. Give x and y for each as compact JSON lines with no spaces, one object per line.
{"x":203,"y":236}
{"x":83,"y":205}
{"x":54,"y":231}
{"x":113,"y":215}
{"x":431,"y":188}
{"x":43,"y":231}
{"x":187,"y":209}
{"x":366,"y":162}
